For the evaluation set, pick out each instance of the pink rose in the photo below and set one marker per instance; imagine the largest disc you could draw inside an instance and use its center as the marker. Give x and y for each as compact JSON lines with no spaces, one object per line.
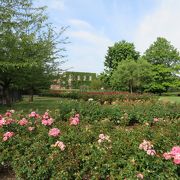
{"x":47,"y":122}
{"x":54,"y":132}
{"x":176,"y":159}
{"x":46,"y":115}
{"x":1,"y":116}
{"x":2,"y":122}
{"x":156,"y":119}
{"x":8,"y":114}
{"x":74,"y":121}
{"x":60,"y":144}
{"x":33,"y":114}
{"x":175,"y":150}
{"x":140,"y":176}
{"x":151,"y":152}
{"x":77,"y":115}
{"x":102,"y":136}
{"x":23,"y":122}
{"x":7,"y":135}
{"x":31,"y":128}
{"x":167,"y":156}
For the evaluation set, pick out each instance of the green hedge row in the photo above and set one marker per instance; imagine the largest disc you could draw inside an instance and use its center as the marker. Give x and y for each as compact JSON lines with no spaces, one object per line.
{"x":99,"y":96}
{"x":126,"y":113}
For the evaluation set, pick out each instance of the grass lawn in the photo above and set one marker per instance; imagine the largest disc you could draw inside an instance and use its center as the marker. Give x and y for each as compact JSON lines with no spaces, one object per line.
{"x":173,"y":99}
{"x":40,"y":103}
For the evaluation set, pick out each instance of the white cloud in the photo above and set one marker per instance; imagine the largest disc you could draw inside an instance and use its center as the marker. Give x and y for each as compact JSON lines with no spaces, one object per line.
{"x":80,"y":24}
{"x":163,"y":21}
{"x":88,"y":47}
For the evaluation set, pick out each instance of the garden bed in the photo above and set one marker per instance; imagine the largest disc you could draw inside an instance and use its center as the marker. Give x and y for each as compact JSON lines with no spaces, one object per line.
{"x":74,"y":140}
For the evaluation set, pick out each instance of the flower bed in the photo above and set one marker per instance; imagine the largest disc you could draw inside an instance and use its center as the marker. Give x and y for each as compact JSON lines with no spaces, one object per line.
{"x":100,"y":96}
{"x":76,"y":149}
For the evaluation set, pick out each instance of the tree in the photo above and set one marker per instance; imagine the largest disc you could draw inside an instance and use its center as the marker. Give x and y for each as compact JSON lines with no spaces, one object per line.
{"x":96,"y":84}
{"x":165,"y":60}
{"x":162,"y":52}
{"x":131,"y":75}
{"x":162,"y":79}
{"x":118,"y":52}
{"x":27,"y":45}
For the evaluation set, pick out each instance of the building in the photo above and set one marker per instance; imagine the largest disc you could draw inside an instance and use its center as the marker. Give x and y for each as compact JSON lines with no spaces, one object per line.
{"x":73,"y":80}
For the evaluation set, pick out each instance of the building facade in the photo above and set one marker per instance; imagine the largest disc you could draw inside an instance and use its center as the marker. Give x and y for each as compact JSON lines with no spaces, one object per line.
{"x":73,"y":80}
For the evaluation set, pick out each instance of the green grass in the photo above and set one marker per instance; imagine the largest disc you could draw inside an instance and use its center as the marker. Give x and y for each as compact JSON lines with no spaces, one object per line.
{"x":173,"y":99}
{"x":39,"y":104}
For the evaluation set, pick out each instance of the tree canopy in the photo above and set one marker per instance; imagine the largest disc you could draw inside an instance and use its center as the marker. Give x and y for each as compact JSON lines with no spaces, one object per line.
{"x":118,"y":52}
{"x":162,"y":52}
{"x":28,"y":46}
{"x":156,"y":71}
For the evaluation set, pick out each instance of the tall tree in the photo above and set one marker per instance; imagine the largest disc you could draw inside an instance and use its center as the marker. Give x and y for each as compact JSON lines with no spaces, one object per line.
{"x":131,"y":75}
{"x":165,"y":59}
{"x":118,"y":52}
{"x":162,"y":52}
{"x":27,"y":45}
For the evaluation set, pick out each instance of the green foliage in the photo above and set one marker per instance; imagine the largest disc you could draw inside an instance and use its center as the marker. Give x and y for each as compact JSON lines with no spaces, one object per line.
{"x":32,"y":156}
{"x":28,"y":47}
{"x":118,"y":52}
{"x":162,"y":79}
{"x":96,"y":84}
{"x":162,"y":52}
{"x":165,"y":59}
{"x":131,"y":75}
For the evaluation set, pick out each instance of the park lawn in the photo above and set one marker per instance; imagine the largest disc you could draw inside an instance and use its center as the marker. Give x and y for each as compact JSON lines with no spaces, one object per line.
{"x":173,"y":99}
{"x":40,"y":104}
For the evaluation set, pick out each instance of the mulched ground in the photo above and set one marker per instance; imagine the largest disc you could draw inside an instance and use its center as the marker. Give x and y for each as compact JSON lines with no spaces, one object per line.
{"x":6,"y":174}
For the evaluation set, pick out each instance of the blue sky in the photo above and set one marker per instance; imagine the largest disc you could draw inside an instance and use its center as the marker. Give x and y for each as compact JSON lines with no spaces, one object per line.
{"x":94,"y":25}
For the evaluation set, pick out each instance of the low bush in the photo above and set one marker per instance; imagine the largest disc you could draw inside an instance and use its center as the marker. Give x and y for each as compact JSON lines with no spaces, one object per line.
{"x":99,"y":96}
{"x":41,"y":147}
{"x":125,"y":113}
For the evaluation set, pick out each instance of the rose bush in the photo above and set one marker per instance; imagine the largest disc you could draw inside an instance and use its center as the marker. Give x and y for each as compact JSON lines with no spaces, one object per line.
{"x":93,"y":147}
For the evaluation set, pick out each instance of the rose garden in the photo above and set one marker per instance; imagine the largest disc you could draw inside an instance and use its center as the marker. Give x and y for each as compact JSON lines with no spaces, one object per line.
{"x":122,"y":124}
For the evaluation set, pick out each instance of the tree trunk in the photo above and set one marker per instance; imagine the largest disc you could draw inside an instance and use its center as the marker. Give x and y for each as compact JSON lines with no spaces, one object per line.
{"x":130,"y":86}
{"x":31,"y":97}
{"x":6,"y":96}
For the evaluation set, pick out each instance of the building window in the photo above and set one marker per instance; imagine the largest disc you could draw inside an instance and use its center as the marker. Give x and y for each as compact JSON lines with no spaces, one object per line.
{"x":90,"y":78}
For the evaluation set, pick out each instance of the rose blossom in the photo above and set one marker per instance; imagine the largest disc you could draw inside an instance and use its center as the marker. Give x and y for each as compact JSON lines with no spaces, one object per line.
{"x":175,"y":154}
{"x":7,"y":135}
{"x":167,"y":156}
{"x":175,"y":150}
{"x":59,"y":144}
{"x":2,"y":122}
{"x":74,"y":121}
{"x":23,"y":122}
{"x":54,"y":132}
{"x":140,"y":176}
{"x":177,"y":159}
{"x":47,"y":122}
{"x":8,"y":114}
{"x":33,"y":114}
{"x":151,"y":152}
{"x":46,"y":115}
{"x":103,"y":137}
{"x":156,"y":119}
{"x":31,"y":128}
